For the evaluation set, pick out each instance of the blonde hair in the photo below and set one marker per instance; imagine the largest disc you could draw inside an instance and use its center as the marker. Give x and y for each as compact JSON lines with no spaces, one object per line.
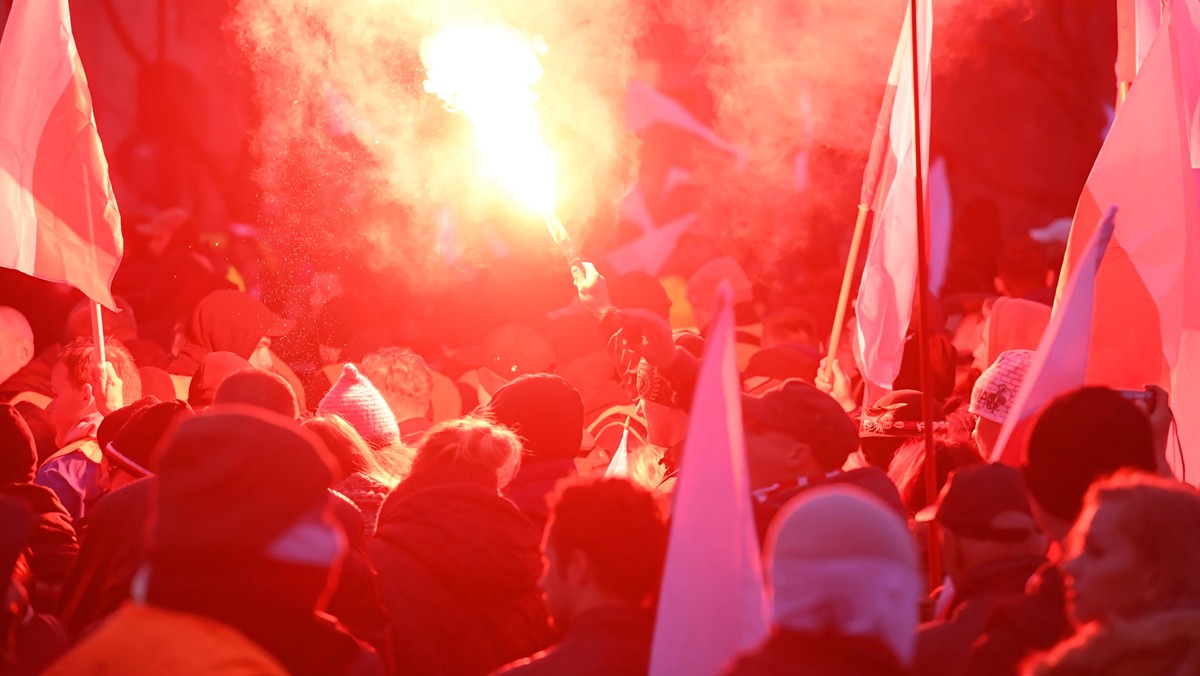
{"x":474,"y":447}
{"x":1161,"y":518}
{"x":353,"y":453}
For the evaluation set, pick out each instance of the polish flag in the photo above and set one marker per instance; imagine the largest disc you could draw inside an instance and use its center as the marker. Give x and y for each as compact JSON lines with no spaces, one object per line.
{"x":58,"y":216}
{"x":1146,"y":327}
{"x":712,"y":605}
{"x":1062,"y":355}
{"x":889,"y":280}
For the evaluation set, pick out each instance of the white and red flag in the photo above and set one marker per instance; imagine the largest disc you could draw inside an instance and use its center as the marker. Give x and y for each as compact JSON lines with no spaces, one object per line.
{"x":889,"y":280}
{"x":1062,"y":355}
{"x":58,"y":216}
{"x":712,"y":604}
{"x":1145,"y":325}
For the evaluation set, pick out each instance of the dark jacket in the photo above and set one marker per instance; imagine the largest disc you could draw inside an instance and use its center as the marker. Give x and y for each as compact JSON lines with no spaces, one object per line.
{"x":613,"y":641}
{"x":530,"y":490}
{"x":458,"y":568}
{"x":1032,"y":623}
{"x":943,"y":645}
{"x":804,"y":654}
{"x":52,"y":546}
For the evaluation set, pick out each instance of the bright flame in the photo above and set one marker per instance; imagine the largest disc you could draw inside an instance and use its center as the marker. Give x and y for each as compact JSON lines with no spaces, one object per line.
{"x":487,"y":73}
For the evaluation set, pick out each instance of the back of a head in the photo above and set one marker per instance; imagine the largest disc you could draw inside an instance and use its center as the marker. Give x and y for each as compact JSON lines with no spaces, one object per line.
{"x":619,"y":527}
{"x":262,"y":389}
{"x":943,"y":362}
{"x":342,"y":441}
{"x":404,"y":380}
{"x":640,"y":290}
{"x":1022,"y":266}
{"x":214,"y":368}
{"x":80,"y":358}
{"x":841,"y":562}
{"x":907,"y":470}
{"x":231,"y":480}
{"x":16,"y":342}
{"x":1161,"y":517}
{"x":134,"y":447}
{"x":809,"y":416}
{"x":18,"y":453}
{"x":232,"y":321}
{"x":470,"y":449}
{"x":1080,"y":437}
{"x":545,"y":411}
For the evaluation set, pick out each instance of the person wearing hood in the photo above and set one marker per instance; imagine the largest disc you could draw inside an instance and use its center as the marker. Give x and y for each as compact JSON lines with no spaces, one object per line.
{"x":546,"y":412}
{"x":239,"y":570}
{"x":51,"y":547}
{"x":232,"y":321}
{"x":214,"y":368}
{"x":844,"y":586}
{"x":459,"y":564}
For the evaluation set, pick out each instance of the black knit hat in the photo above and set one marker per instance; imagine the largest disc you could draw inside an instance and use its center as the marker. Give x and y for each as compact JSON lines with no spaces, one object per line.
{"x":232,"y":480}
{"x":111,"y":426}
{"x":18,"y":453}
{"x":1079,"y":437}
{"x":545,"y":411}
{"x":133,"y":448}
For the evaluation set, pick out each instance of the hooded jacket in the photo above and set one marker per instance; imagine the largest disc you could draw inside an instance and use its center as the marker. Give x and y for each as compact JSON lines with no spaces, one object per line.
{"x":458,"y":568}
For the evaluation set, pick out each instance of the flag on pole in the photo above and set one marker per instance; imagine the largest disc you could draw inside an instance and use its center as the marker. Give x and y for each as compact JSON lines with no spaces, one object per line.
{"x":58,"y":216}
{"x":1137,"y":24}
{"x":1062,"y":354}
{"x":618,"y":467}
{"x":712,"y":605}
{"x":889,"y":280}
{"x":1145,"y":326}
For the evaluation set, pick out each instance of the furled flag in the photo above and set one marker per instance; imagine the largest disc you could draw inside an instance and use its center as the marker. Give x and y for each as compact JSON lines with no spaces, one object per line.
{"x":1137,"y":24}
{"x":889,"y":280}
{"x":1062,"y":354}
{"x":1145,"y":326}
{"x":618,"y":467}
{"x":711,"y":605}
{"x":58,"y":216}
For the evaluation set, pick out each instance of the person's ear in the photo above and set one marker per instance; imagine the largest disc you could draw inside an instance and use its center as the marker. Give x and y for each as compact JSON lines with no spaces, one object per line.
{"x":999,"y":284}
{"x":801,"y":457}
{"x":579,"y":568}
{"x":86,"y":395}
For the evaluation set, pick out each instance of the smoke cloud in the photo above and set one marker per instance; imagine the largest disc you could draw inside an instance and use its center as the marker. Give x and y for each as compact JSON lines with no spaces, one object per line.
{"x":354,"y":152}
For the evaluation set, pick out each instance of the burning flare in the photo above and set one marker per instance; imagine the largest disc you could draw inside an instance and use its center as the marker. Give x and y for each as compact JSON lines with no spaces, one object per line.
{"x":487,"y":73}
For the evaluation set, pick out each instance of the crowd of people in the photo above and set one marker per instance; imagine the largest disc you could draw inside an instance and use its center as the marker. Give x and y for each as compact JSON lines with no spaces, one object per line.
{"x":192,"y":502}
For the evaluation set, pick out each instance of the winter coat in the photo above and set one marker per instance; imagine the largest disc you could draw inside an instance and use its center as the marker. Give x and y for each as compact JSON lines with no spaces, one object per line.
{"x":1159,"y":644}
{"x":1032,"y":623}
{"x":613,"y":641}
{"x":458,"y":568}
{"x":149,"y":640}
{"x":52,"y":545}
{"x":944,"y":645}
{"x":530,"y":490}
{"x":803,"y":654}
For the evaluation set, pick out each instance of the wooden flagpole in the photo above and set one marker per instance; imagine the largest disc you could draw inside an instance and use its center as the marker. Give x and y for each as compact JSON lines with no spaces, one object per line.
{"x":839,"y":317}
{"x":931,"y":490}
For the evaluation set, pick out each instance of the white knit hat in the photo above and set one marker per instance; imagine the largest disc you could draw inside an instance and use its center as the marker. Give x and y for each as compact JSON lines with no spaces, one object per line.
{"x":996,"y":389}
{"x":355,"y":399}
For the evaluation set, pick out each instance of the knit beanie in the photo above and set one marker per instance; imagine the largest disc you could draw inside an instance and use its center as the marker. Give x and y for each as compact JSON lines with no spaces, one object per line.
{"x":545,"y":411}
{"x":1079,"y":437}
{"x":18,"y":453}
{"x":233,"y":479}
{"x":133,"y":448}
{"x":841,"y":562}
{"x":994,"y":392}
{"x":112,"y":424}
{"x":213,"y":370}
{"x":356,"y":400}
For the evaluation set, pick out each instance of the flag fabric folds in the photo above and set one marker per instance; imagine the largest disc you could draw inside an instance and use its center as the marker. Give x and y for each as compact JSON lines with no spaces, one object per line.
{"x":1062,"y":355}
{"x":58,"y":217}
{"x":1145,"y":326}
{"x":885,"y":295}
{"x":712,"y":604}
